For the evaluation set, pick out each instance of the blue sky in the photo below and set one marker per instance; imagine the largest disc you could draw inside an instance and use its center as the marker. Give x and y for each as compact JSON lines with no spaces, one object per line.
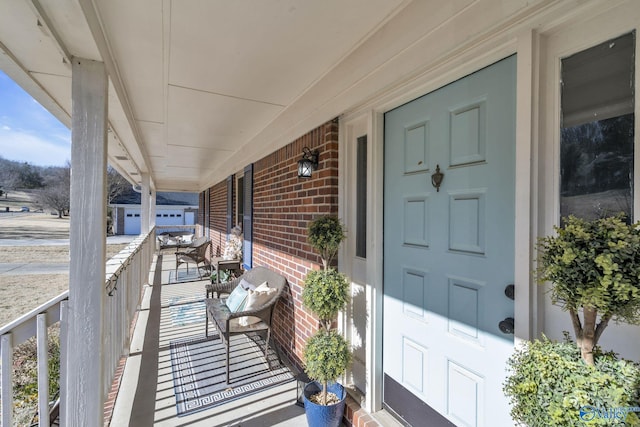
{"x":28,"y":132}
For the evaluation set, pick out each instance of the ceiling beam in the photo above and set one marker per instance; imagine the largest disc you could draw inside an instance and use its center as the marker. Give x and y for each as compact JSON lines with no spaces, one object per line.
{"x":97,"y":30}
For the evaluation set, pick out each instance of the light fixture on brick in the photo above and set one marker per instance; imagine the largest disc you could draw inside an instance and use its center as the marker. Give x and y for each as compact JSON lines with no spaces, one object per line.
{"x":308,"y":163}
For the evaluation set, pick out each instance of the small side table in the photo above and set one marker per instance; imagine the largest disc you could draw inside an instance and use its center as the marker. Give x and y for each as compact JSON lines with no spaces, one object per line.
{"x":225,"y":265}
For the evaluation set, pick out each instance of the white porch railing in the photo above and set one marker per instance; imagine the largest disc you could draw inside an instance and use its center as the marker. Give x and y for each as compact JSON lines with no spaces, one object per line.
{"x":126,"y":273}
{"x":162,"y":228}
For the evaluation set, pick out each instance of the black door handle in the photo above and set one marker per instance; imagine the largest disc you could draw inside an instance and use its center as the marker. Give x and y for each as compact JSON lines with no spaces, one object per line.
{"x":507,"y":326}
{"x":510,"y":291}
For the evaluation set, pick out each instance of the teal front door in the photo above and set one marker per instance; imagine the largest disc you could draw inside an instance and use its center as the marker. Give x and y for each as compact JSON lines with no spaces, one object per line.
{"x":448,"y":251}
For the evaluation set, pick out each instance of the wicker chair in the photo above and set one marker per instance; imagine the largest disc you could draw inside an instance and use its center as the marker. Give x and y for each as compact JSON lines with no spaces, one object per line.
{"x":222,"y":317}
{"x":196,"y":253}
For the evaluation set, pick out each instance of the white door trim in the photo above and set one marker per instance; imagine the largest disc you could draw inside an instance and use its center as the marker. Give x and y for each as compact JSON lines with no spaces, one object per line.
{"x":370,"y":124}
{"x":527,"y":322}
{"x":528,"y":297}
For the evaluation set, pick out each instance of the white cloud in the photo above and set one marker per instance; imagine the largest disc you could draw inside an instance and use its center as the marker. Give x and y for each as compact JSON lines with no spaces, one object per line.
{"x":26,"y":147}
{"x":5,"y":127}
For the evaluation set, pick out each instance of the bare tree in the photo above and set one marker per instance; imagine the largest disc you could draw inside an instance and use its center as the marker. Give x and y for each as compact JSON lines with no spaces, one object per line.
{"x":15,"y":175}
{"x":8,"y":176}
{"x":57,"y":193}
{"x":116,"y":184}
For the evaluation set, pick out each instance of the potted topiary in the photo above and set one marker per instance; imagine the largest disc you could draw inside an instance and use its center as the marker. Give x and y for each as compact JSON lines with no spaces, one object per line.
{"x":593,"y":267}
{"x":327,"y":354}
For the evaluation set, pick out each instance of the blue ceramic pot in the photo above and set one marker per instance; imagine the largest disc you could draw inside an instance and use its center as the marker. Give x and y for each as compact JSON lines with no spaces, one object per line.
{"x":321,"y":415}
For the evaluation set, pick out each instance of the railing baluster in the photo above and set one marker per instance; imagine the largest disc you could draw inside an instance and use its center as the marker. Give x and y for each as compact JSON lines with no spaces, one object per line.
{"x":131,"y":270}
{"x":7,"y":379}
{"x":64,"y":340}
{"x":42,"y":339}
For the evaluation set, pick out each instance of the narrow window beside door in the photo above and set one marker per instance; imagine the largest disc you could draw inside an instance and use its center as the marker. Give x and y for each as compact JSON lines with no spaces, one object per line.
{"x":240,"y":200}
{"x":361,"y":199}
{"x":596,"y":142}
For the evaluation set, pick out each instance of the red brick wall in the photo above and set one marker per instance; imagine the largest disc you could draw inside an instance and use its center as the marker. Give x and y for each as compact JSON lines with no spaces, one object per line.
{"x":283,"y":205}
{"x":218,"y":217}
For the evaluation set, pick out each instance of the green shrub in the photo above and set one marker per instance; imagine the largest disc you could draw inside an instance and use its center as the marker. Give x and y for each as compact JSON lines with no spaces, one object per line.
{"x":327,"y":356}
{"x":325,"y":293}
{"x":550,"y":385}
{"x":325,"y":235}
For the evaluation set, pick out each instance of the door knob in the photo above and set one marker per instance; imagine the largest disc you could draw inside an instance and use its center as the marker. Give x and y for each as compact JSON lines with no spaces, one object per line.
{"x":510,"y":291}
{"x":507,"y":325}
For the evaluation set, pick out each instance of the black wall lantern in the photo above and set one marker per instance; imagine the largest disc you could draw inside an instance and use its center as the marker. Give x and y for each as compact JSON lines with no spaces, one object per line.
{"x":308,"y":163}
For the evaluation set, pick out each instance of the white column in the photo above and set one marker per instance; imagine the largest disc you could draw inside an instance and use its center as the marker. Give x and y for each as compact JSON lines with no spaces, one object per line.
{"x":84,"y":388}
{"x":145,"y":203}
{"x":152,"y":209}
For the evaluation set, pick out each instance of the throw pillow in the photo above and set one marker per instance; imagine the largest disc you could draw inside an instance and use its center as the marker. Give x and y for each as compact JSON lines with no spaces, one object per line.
{"x":246,"y":285}
{"x":236,"y":300}
{"x":256,"y":298}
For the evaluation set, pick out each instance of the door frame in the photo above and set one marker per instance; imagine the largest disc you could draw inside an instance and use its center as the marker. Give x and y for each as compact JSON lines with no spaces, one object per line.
{"x":369,"y":124}
{"x":371,"y":116}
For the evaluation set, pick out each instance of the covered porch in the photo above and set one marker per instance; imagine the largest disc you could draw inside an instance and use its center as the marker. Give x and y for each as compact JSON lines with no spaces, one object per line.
{"x":144,"y":392}
{"x":174,"y":312}
{"x":225,"y":98}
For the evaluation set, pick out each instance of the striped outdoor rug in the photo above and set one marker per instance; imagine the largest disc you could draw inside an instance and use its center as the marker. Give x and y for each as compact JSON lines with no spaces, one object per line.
{"x":199,"y":371}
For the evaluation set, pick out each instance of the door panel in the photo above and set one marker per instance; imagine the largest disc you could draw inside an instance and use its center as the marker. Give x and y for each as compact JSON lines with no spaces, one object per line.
{"x":448,"y":252}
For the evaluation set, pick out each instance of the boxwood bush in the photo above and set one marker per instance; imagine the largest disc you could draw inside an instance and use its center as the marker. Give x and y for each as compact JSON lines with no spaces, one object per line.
{"x":550,"y":385}
{"x":593,"y":267}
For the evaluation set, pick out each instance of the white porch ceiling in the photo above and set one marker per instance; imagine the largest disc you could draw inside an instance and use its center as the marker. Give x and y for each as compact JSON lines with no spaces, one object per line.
{"x":200,"y":88}
{"x":192,"y":82}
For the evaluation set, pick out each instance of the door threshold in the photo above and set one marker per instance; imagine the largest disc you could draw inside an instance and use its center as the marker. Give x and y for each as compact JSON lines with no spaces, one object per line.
{"x":388,"y":418}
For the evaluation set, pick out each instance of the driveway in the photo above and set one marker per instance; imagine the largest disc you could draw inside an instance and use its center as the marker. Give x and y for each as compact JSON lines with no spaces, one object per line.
{"x":45,"y":268}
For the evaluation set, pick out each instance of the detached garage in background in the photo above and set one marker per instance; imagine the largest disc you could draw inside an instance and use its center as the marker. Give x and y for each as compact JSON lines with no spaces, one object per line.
{"x":172,"y":208}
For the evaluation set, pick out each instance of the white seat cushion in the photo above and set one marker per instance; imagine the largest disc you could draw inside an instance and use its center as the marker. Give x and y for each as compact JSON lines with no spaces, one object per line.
{"x":255,"y":298}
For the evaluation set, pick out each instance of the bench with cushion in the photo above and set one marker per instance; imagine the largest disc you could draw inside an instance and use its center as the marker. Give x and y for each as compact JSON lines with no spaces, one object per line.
{"x":248,"y":307}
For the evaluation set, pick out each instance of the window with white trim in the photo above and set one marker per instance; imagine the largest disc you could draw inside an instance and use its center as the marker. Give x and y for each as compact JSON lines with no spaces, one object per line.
{"x":597,"y":131}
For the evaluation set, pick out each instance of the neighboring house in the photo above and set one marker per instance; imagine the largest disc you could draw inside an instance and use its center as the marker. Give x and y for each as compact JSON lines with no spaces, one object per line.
{"x":172,"y":208}
{"x":450,"y":134}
